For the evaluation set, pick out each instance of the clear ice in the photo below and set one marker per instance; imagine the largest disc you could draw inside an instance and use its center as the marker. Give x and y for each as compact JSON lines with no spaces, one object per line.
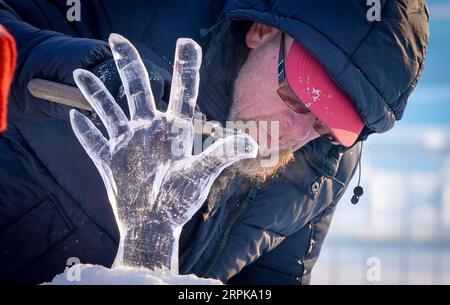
{"x":154,"y":182}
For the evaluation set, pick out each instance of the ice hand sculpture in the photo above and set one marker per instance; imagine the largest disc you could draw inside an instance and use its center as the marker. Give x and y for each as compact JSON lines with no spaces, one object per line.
{"x":154,"y":182}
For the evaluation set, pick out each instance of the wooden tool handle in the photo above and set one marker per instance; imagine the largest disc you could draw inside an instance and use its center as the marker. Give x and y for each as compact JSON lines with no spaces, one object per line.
{"x":58,"y":93}
{"x":72,"y":96}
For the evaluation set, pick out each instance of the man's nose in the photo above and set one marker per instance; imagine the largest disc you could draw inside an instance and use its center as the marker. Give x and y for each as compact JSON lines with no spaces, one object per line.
{"x":302,"y":125}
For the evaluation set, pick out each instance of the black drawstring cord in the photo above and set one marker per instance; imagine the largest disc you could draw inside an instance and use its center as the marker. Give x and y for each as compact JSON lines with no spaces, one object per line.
{"x":358,"y":191}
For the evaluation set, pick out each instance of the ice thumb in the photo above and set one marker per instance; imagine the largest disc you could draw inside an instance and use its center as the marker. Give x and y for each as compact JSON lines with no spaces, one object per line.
{"x":226,"y":151}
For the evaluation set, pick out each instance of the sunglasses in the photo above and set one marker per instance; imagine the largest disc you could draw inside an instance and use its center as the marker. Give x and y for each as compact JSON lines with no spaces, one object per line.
{"x":293,"y":101}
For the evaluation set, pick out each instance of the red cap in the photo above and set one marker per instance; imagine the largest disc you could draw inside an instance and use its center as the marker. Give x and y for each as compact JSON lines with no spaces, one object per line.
{"x":313,"y":85}
{"x":8,"y":56}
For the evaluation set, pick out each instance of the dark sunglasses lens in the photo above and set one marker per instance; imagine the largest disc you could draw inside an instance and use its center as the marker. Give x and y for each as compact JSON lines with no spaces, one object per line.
{"x":289,"y":97}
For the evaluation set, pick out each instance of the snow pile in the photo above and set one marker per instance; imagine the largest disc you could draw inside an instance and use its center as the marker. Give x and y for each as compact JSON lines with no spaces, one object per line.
{"x":99,"y":275}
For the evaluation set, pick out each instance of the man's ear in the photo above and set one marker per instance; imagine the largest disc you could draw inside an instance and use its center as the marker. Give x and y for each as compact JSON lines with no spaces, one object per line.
{"x":259,"y":34}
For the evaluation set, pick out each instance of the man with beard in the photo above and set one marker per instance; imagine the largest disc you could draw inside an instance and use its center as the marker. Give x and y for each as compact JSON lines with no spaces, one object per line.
{"x":329,"y":76}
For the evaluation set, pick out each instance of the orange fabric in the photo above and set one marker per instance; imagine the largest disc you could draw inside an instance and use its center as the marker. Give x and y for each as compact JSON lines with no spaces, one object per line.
{"x":8,"y":58}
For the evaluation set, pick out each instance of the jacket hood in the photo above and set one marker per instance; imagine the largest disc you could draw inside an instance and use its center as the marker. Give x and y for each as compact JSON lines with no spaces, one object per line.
{"x":376,"y":63}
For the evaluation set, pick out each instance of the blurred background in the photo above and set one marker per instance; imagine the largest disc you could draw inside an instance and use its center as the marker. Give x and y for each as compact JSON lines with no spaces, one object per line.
{"x":399,"y":232}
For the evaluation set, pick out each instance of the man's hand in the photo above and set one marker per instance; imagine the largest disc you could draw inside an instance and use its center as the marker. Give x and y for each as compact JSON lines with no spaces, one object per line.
{"x":154,"y":183}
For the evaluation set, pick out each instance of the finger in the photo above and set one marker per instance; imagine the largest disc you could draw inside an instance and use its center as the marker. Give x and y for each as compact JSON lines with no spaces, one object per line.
{"x":226,"y":151}
{"x":90,"y":138}
{"x":185,"y":80}
{"x":134,"y":77}
{"x":103,"y":103}
{"x":208,"y":166}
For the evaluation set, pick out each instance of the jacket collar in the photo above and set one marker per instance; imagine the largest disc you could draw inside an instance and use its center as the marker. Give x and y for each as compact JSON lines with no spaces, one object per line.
{"x":322,"y":155}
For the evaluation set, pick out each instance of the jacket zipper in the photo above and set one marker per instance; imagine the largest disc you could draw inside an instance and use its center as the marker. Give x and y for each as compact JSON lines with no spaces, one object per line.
{"x":205,"y":271}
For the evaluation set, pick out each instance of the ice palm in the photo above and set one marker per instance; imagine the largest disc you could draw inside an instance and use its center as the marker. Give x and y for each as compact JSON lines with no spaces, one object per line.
{"x":154,"y":183}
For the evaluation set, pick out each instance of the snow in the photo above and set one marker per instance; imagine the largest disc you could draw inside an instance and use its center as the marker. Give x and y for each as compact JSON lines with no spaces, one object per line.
{"x":99,"y":275}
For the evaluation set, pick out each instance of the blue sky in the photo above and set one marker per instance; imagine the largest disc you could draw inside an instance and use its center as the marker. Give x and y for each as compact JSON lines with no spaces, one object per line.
{"x":430,"y":103}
